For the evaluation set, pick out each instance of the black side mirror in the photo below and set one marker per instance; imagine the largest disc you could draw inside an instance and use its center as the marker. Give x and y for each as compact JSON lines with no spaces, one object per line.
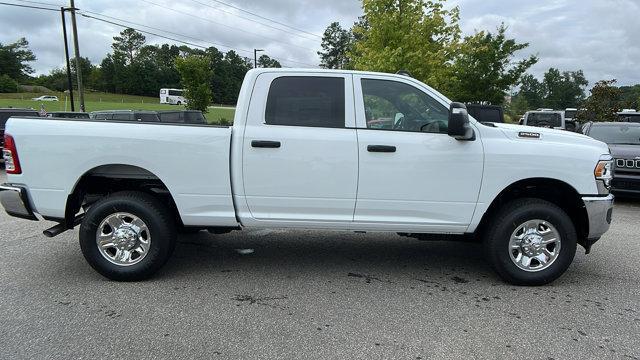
{"x":459,"y":126}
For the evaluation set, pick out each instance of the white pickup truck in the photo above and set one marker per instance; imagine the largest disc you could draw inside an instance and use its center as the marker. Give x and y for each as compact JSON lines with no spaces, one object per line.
{"x":314,"y":149}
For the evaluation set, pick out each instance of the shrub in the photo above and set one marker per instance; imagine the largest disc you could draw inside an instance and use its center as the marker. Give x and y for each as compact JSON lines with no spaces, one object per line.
{"x":7,"y":84}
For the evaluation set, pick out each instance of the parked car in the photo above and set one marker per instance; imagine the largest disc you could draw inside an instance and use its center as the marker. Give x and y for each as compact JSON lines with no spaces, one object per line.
{"x":6,"y":113}
{"x":570,"y":120}
{"x":182,"y":116}
{"x":125,"y":115}
{"x":624,"y":141}
{"x":544,"y":118}
{"x":629,"y":116}
{"x":486,"y":113}
{"x":46,"y":98}
{"x":68,"y":115}
{"x":300,"y":155}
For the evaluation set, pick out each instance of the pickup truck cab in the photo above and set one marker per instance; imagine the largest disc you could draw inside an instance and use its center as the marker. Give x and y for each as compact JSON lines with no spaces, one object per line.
{"x":302,"y":154}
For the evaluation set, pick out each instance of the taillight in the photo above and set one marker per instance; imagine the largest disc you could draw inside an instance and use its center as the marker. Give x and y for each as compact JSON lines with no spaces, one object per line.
{"x":10,"y":155}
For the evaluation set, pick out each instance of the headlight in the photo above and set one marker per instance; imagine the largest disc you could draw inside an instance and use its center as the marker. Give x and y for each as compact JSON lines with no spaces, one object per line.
{"x":604,"y":170}
{"x":603,"y":174}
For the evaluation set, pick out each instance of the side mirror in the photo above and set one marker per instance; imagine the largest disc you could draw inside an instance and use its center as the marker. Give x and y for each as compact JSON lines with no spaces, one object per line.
{"x":459,"y":126}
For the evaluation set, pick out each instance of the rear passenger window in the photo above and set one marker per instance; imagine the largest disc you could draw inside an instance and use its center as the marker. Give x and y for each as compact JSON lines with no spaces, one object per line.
{"x":306,"y":101}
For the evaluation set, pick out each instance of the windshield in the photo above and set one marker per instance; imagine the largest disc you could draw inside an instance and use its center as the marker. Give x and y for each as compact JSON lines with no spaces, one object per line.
{"x":629,"y":117}
{"x":616,"y":134}
{"x":570,"y":114}
{"x":540,"y":119}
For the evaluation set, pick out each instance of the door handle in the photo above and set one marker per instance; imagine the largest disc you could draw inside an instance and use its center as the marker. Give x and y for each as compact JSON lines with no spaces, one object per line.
{"x":265,"y":144}
{"x":381,"y":148}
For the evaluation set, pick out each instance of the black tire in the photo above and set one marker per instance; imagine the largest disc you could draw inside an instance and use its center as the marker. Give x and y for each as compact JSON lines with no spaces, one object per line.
{"x":152,"y":212}
{"x":503,"y":225}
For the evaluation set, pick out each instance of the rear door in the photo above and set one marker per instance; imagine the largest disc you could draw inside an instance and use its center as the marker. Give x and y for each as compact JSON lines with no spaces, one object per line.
{"x":300,"y":153}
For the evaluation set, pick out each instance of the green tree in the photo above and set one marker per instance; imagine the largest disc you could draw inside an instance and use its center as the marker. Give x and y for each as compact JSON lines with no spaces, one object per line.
{"x":517,"y":107}
{"x":265,"y":61}
{"x":128,"y":44}
{"x":15,"y":59}
{"x":336,"y":42}
{"x":87,"y":69}
{"x":630,"y":97}
{"x":485,"y":68}
{"x":563,"y":89}
{"x":195,"y":72}
{"x":603,"y":103}
{"x":532,"y":91}
{"x":55,"y":80}
{"x":7,"y":84}
{"x":419,"y":36}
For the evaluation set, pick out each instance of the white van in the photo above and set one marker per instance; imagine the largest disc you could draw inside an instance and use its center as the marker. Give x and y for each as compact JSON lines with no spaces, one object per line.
{"x":172,"y":96}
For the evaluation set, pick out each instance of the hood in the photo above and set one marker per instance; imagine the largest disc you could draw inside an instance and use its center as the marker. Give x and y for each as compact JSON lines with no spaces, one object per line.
{"x":531,"y":133}
{"x":624,"y":151}
{"x":512,"y":130}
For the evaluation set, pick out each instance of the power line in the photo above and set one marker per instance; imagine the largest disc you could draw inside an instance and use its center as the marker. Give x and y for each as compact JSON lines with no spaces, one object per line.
{"x":41,"y":3}
{"x":231,"y":27}
{"x":29,"y":6}
{"x":256,"y":21}
{"x":165,"y":31}
{"x":84,"y":14}
{"x":266,"y":18}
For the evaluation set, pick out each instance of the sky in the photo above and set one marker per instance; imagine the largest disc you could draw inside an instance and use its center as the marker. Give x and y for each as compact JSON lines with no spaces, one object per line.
{"x":601,"y":37}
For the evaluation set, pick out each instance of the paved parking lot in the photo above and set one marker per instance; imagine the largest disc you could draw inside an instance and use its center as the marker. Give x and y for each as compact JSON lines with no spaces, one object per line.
{"x":316,"y":295}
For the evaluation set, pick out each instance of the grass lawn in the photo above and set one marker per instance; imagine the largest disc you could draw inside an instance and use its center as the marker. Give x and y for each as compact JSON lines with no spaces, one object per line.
{"x":105,"y":101}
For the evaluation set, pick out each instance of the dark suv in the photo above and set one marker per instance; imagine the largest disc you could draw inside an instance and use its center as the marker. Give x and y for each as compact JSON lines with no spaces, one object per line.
{"x":5,"y":114}
{"x":182,"y":116}
{"x":125,"y":115}
{"x":623,"y":139}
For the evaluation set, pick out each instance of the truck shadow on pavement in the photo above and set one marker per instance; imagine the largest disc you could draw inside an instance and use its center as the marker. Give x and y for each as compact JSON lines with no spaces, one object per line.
{"x":375,"y":257}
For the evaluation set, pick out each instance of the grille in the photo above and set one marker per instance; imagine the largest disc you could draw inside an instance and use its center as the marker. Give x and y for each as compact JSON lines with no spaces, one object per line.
{"x":626,"y":185}
{"x":627,"y":164}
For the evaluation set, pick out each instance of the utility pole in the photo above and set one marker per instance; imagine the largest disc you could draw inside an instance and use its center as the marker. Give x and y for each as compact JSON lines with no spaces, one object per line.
{"x":77,"y":51}
{"x":66,"y":55}
{"x":255,"y":57}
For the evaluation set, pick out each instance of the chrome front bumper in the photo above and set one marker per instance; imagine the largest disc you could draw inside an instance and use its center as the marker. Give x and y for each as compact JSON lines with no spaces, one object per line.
{"x":15,"y":201}
{"x":599,"y":211}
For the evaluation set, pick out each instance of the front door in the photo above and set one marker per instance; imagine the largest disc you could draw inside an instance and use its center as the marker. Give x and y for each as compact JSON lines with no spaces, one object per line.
{"x":412,"y":175}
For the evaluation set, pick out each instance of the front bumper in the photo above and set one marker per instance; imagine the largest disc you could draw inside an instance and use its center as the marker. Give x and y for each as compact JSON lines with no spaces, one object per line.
{"x":599,"y":211}
{"x":15,"y":201}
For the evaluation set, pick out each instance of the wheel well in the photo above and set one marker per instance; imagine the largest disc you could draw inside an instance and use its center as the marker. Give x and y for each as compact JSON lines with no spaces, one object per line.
{"x":555,"y":191}
{"x":107,"y":179}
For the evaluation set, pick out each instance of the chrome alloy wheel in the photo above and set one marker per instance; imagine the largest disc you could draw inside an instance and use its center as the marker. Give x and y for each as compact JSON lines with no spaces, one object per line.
{"x":123,"y":239}
{"x":534,"y":245}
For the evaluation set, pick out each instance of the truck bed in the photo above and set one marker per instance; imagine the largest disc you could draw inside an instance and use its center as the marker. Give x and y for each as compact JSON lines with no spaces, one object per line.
{"x":192,"y":161}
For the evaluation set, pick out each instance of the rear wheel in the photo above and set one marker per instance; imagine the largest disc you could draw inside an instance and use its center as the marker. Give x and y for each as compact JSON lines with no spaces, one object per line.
{"x":127,"y":236}
{"x":530,"y":242}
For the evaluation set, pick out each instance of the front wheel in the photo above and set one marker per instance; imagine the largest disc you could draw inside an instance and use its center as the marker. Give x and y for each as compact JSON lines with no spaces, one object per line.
{"x":127,"y":236}
{"x":530,"y":242}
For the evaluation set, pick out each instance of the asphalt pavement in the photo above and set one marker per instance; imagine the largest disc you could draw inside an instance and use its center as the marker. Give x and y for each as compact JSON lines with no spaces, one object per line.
{"x":316,"y":295}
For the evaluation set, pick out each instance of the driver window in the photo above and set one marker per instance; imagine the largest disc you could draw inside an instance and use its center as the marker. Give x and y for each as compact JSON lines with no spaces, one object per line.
{"x":393,"y":105}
